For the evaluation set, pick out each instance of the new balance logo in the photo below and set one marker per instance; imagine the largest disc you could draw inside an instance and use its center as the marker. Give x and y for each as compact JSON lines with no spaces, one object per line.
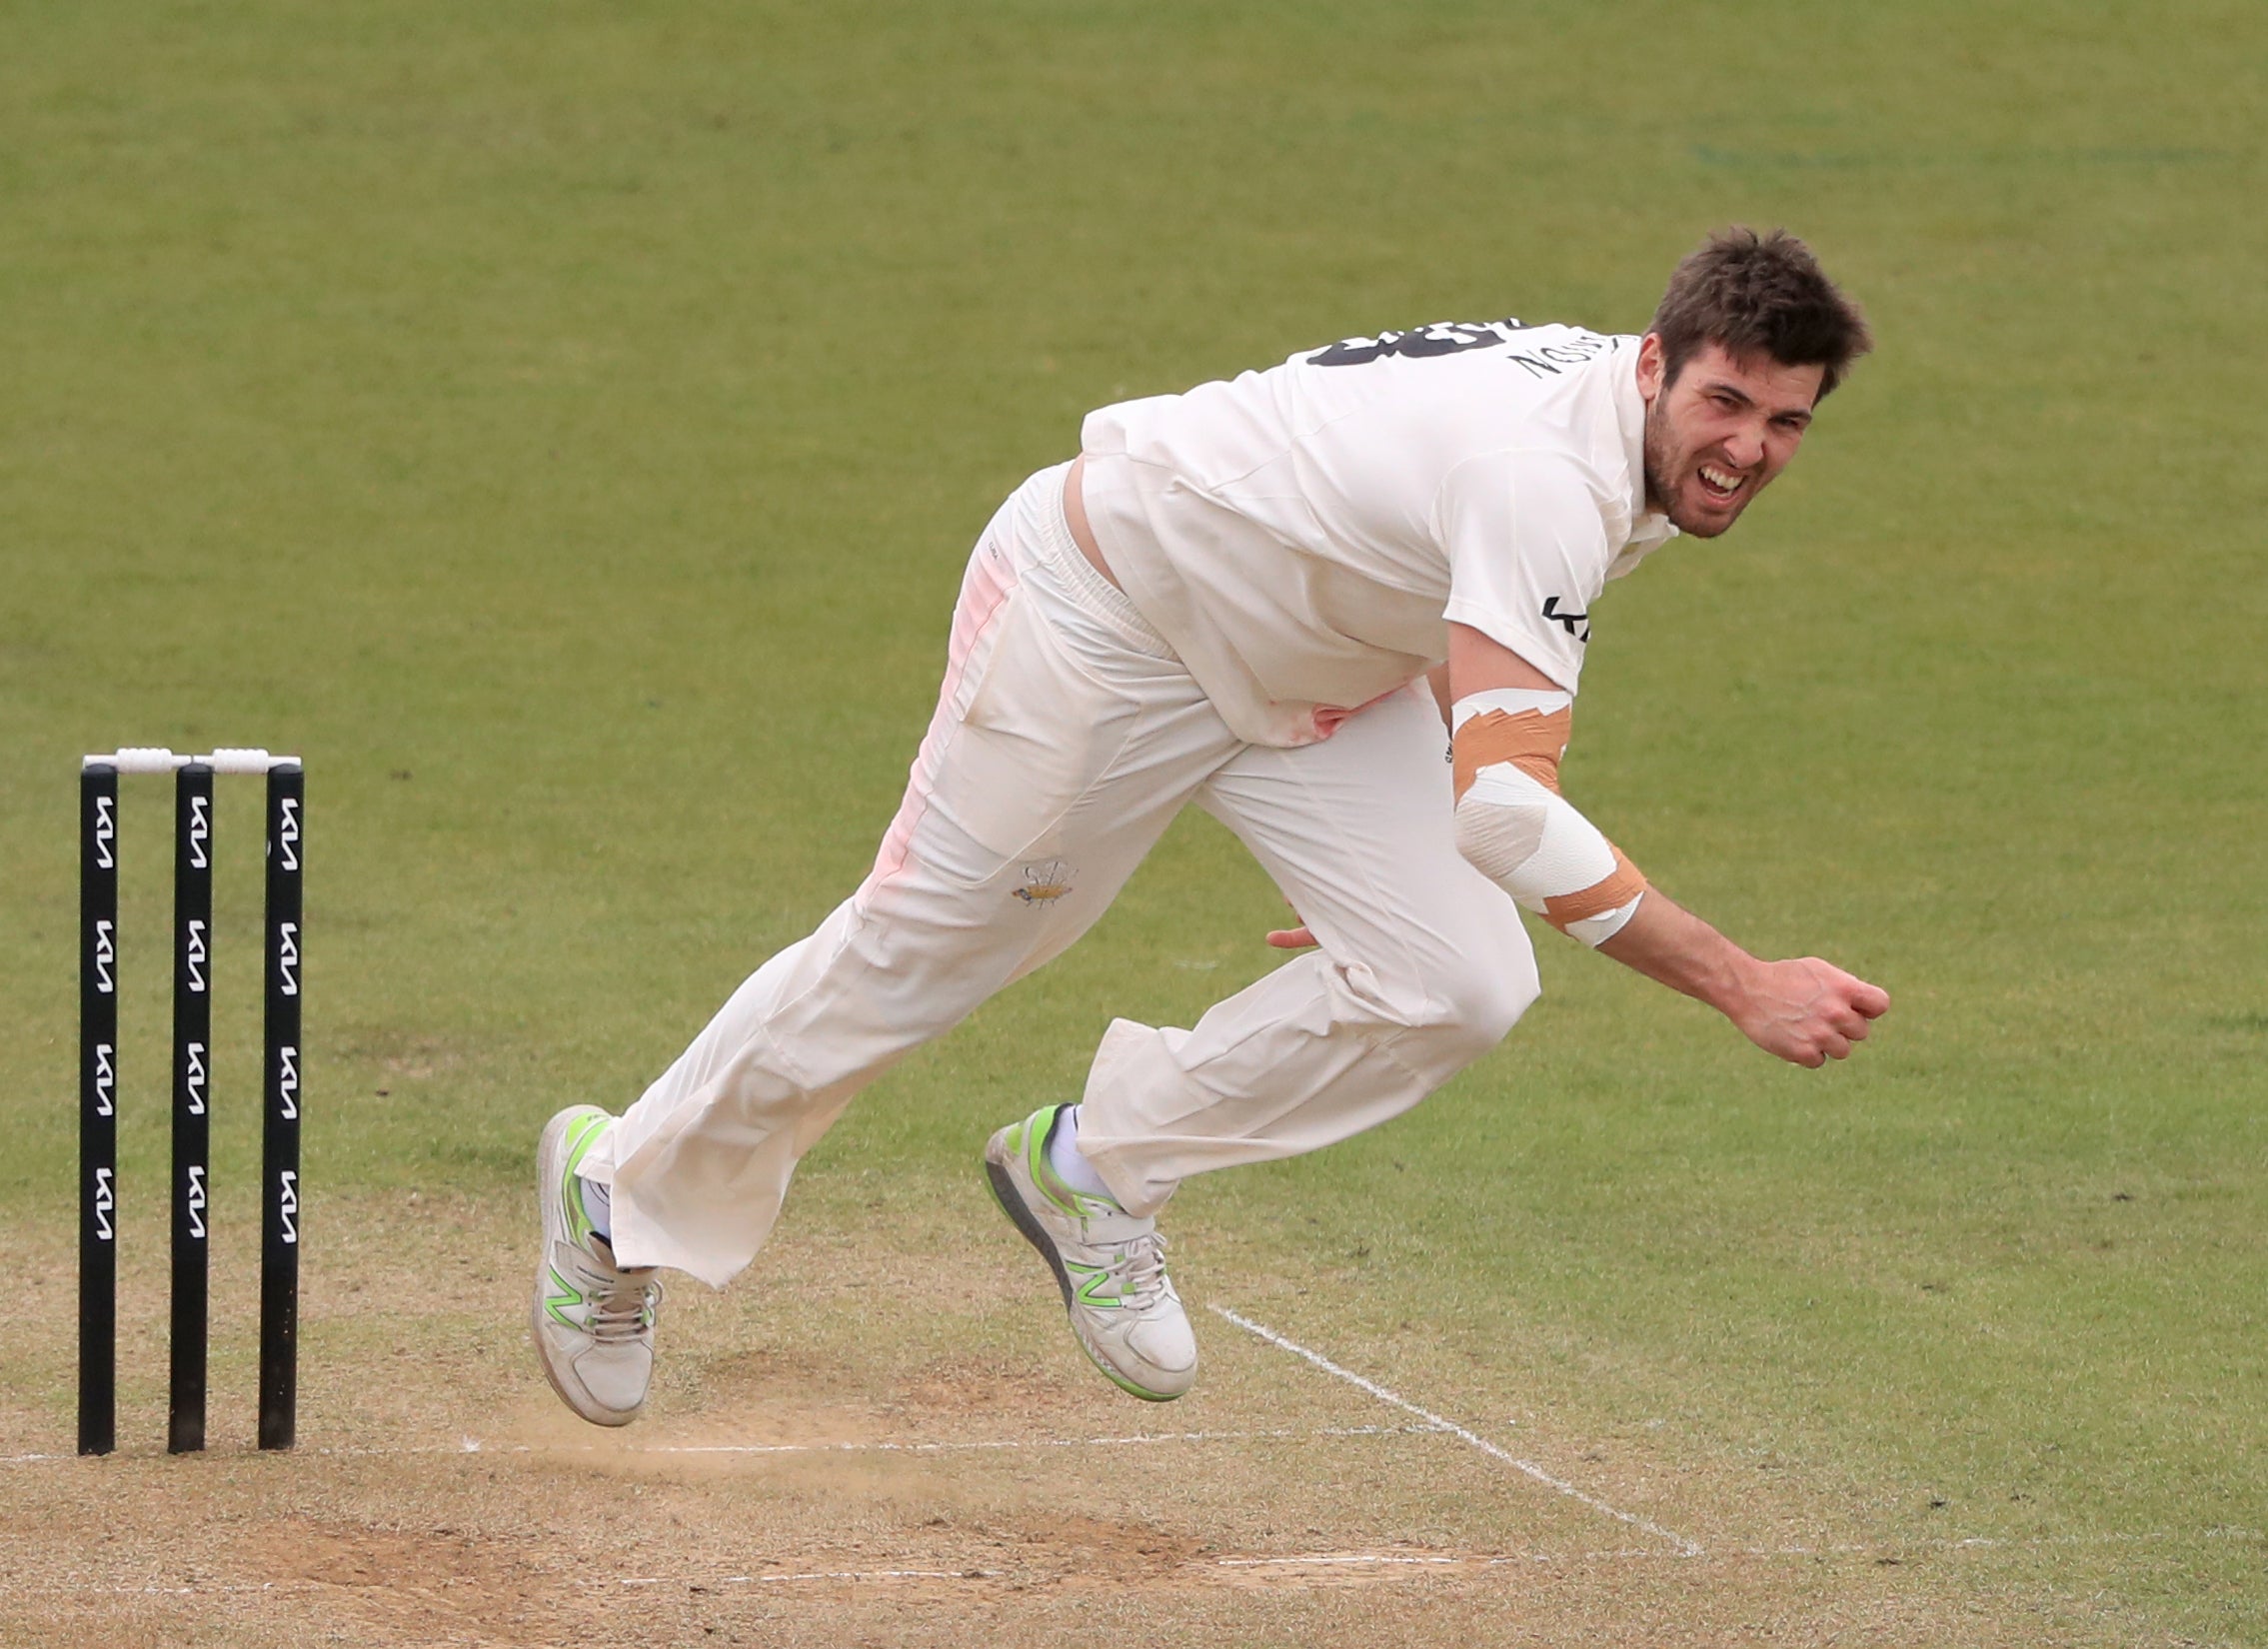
{"x":1092,"y":1279}
{"x":563,"y":1298}
{"x":1576,"y":625}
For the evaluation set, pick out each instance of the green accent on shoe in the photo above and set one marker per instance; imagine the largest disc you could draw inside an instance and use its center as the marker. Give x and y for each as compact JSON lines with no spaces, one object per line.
{"x":568,"y":1294}
{"x":1028,"y":1143}
{"x":1120,"y":1380}
{"x":1037,"y":1127}
{"x":1093,"y":1277}
{"x":1038,"y":1130}
{"x":579,"y":1140}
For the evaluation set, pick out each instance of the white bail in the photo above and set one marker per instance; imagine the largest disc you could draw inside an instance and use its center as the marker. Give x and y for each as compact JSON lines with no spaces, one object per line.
{"x":155,"y":759}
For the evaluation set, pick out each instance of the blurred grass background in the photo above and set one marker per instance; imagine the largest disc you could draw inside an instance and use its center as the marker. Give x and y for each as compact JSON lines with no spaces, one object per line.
{"x":564,"y":425}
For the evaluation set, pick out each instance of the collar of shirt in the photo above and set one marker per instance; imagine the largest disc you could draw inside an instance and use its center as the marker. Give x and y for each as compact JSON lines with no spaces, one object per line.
{"x":1649,"y":528}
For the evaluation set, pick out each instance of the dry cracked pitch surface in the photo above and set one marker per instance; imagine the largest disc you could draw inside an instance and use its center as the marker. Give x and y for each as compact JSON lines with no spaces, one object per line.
{"x":862,"y":1446}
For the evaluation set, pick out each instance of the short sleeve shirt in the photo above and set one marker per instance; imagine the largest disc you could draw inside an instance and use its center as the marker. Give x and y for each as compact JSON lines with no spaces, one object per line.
{"x":1303,"y":536}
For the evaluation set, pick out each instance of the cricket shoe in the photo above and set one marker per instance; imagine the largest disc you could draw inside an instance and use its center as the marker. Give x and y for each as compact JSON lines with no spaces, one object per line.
{"x":1109,"y":1264}
{"x":594,"y":1319}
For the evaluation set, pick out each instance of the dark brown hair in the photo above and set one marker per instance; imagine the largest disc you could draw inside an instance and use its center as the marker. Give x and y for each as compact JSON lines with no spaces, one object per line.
{"x":1760,"y":295}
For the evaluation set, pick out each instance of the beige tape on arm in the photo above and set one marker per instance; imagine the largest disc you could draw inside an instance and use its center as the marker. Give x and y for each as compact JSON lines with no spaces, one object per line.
{"x":1562,"y":911}
{"x":1532,"y":743}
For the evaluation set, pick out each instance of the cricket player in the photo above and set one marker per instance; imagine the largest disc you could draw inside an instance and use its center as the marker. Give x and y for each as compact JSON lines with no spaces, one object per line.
{"x":1264,"y":597}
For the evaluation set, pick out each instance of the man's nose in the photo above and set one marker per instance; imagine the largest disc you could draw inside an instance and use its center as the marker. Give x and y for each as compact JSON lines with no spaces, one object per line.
{"x":1746,"y":448}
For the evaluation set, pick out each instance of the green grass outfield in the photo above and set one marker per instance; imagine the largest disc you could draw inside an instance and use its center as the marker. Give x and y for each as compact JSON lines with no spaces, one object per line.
{"x":563,"y":424}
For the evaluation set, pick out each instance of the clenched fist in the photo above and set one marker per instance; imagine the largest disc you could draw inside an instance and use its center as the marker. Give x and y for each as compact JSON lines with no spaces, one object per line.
{"x":1805,"y":1010}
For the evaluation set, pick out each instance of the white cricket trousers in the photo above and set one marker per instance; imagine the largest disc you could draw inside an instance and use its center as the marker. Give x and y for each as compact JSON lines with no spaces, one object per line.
{"x":1065,"y":739}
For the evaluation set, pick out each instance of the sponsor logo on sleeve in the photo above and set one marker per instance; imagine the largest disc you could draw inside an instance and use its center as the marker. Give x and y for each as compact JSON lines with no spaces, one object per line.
{"x":1576,"y":625}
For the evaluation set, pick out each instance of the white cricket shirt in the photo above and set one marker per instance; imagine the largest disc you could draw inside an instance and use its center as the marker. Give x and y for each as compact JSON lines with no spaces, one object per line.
{"x":1302,"y":536}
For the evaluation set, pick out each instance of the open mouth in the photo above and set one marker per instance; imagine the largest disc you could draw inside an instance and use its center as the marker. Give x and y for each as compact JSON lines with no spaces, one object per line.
{"x":1720,"y":486}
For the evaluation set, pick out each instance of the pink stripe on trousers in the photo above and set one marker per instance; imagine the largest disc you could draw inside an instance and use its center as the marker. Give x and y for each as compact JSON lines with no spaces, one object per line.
{"x":984,"y":591}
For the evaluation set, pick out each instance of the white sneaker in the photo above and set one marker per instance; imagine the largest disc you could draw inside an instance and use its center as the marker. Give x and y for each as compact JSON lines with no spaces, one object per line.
{"x":1109,"y":1265}
{"x":592,"y":1319}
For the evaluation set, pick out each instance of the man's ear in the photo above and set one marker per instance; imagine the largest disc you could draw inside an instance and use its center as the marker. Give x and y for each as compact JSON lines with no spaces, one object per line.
{"x":1650,"y":360}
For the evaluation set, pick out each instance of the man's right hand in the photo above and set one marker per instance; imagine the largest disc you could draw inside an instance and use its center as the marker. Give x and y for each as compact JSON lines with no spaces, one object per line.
{"x":1806,"y":1012}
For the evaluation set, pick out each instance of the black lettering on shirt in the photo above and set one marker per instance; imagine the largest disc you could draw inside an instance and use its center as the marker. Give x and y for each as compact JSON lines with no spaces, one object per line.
{"x":1578,"y":624}
{"x":1419,"y":343}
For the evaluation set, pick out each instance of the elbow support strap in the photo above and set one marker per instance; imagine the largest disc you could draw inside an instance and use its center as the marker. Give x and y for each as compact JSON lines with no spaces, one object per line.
{"x":1516,"y":829}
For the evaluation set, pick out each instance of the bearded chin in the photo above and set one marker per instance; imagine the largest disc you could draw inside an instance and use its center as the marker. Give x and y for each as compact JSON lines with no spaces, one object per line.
{"x":1651,"y":447}
{"x":1656,"y":450}
{"x":1661,"y":493}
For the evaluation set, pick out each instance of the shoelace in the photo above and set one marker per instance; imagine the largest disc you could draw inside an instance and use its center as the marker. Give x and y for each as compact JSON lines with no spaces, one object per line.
{"x":623,"y":1303}
{"x":1140,"y":1271}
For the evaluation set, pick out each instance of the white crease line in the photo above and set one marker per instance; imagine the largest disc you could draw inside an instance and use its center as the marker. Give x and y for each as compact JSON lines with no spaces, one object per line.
{"x":821,"y":1574}
{"x":1685,"y":1547}
{"x":235,"y":1587}
{"x":474,"y":1445}
{"x":1626,"y":1554}
{"x":1975,"y":1542}
{"x":1324,"y":1560}
{"x":1478,"y":1560}
{"x":1134,"y":1442}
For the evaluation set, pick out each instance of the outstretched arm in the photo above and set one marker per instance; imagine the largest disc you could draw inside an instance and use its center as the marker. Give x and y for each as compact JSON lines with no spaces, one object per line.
{"x":1805,"y":1010}
{"x":1515,"y":826}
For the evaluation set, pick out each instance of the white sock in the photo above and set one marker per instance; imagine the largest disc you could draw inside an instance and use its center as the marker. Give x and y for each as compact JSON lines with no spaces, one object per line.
{"x":1064,"y":1157}
{"x":598,"y":1207}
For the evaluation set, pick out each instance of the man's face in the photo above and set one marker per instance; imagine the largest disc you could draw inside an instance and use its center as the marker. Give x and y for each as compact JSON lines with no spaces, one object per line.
{"x":1721,"y":432}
